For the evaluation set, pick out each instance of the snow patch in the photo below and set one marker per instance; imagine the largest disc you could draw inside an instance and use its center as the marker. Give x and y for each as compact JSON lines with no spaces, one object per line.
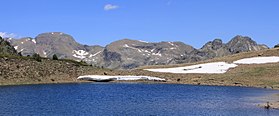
{"x":22,"y":42}
{"x":126,"y":46}
{"x":258,"y":60}
{"x":81,"y":54}
{"x":215,"y":67}
{"x":16,"y":47}
{"x":157,"y":54}
{"x":119,"y":78}
{"x":171,"y":43}
{"x":34,"y":41}
{"x":79,"y":57}
{"x":146,"y":51}
{"x":143,"y":41}
{"x":92,"y":55}
{"x":44,"y":53}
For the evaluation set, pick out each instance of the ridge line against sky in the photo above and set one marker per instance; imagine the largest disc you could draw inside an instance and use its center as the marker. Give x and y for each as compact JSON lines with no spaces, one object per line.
{"x":101,"y":22}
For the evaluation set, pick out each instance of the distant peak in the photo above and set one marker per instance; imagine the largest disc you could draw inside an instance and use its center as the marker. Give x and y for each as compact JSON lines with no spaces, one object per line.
{"x":241,"y":37}
{"x":54,"y":33}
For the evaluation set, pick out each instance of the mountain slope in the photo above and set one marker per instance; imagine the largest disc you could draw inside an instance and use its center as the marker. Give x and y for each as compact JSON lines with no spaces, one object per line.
{"x":61,"y":44}
{"x":132,"y":53}
{"x":16,"y":69}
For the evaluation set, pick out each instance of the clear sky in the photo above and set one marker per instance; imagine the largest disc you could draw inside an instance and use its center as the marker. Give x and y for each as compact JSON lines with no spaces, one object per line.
{"x":193,"y":22}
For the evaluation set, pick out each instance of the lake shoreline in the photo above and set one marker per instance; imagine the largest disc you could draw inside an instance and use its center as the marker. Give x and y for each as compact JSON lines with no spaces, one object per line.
{"x":272,"y":100}
{"x":139,"y":81}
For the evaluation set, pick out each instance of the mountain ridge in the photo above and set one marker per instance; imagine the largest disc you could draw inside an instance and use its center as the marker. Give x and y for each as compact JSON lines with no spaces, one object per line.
{"x":129,"y":53}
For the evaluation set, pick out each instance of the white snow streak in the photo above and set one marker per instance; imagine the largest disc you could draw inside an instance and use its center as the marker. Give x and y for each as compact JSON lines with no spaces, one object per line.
{"x":34,"y":41}
{"x":258,"y":60}
{"x":120,"y":78}
{"x":216,"y":67}
{"x":16,"y":47}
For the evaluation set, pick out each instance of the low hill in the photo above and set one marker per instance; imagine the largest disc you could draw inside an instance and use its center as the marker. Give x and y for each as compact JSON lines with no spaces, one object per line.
{"x":254,"y":75}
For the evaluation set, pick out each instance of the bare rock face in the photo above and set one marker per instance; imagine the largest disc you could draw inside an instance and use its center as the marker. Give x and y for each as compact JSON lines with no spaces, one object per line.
{"x":216,"y":48}
{"x":26,"y":46}
{"x":212,"y":49}
{"x":243,"y":44}
{"x":127,"y":53}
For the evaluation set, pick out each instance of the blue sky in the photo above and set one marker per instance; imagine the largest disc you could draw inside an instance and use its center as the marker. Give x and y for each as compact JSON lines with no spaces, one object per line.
{"x":193,"y":22}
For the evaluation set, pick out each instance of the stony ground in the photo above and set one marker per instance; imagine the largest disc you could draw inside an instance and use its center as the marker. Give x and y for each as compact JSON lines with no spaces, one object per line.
{"x":29,"y":71}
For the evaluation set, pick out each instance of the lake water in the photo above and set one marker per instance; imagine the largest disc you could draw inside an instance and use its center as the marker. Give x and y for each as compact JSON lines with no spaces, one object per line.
{"x":131,"y":99}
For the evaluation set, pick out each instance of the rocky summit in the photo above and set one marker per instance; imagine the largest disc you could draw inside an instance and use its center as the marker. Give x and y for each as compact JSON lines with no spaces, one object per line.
{"x":127,"y":53}
{"x":61,"y":44}
{"x":217,"y":48}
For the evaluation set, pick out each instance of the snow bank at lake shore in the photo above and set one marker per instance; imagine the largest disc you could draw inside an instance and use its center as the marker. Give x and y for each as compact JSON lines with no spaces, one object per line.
{"x":216,"y":67}
{"x":119,"y":78}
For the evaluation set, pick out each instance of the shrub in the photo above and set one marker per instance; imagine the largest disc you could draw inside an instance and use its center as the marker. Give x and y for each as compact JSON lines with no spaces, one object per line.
{"x":19,"y":54}
{"x":37,"y":57}
{"x":54,"y":57}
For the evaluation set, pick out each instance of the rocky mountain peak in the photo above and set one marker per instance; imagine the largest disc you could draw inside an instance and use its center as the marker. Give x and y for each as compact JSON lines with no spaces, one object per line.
{"x":240,"y":40}
{"x":213,"y":45}
{"x":243,"y":44}
{"x":52,"y":37}
{"x":128,"y":53}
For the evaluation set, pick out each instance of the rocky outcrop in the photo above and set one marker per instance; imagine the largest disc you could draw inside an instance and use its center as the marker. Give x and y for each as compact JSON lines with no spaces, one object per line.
{"x":276,"y":46}
{"x":243,"y":44}
{"x":217,"y":48}
{"x":6,"y":48}
{"x":127,"y":53}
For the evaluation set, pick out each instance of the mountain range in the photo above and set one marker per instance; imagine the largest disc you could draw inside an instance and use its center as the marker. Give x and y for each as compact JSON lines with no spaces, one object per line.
{"x":127,"y":53}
